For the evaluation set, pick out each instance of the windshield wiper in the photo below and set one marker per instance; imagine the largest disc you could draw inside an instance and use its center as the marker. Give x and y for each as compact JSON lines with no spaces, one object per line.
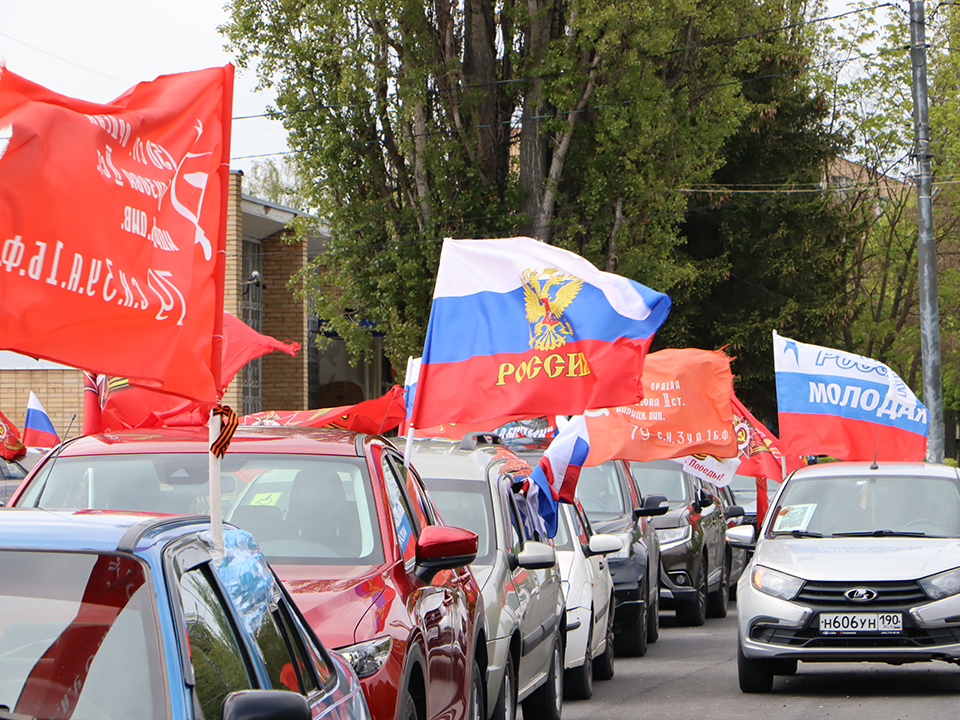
{"x":801,"y":534}
{"x":880,"y":533}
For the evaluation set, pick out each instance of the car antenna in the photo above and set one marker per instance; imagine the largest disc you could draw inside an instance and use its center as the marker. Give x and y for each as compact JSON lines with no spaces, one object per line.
{"x":876,"y":447}
{"x":53,"y":459}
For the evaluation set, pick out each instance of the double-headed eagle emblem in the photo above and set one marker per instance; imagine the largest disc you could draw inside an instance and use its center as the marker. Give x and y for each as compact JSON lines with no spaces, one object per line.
{"x":547,"y":294}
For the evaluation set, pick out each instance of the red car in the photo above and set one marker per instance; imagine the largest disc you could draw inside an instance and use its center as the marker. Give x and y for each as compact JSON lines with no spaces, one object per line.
{"x":353,"y":536}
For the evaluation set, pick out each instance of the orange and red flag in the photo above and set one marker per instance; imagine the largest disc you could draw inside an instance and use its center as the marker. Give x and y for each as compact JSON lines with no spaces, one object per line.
{"x":112,"y":227}
{"x":685,"y":411}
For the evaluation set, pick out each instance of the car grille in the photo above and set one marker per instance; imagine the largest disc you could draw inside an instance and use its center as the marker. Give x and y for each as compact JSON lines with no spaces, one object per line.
{"x":809,"y":638}
{"x":890,"y":595}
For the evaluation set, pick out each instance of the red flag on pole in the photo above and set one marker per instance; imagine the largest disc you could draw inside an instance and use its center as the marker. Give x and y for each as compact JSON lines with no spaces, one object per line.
{"x":112,"y":403}
{"x":374,"y":416}
{"x":112,"y":227}
{"x":11,"y":447}
{"x":760,"y":455}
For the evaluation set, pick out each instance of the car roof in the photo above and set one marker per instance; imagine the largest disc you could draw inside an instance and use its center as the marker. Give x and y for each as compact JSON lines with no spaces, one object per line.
{"x":440,"y":457}
{"x":875,"y":469}
{"x":90,"y":530}
{"x":247,"y":439}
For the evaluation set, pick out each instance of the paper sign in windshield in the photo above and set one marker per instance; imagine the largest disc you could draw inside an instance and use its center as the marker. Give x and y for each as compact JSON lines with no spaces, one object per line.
{"x":794,"y":517}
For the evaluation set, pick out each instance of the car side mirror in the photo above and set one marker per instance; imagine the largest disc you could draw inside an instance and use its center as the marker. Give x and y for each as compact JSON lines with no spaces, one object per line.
{"x":536,"y":556}
{"x":265,"y":705}
{"x":733,"y":511}
{"x":742,"y":536}
{"x":704,"y":499}
{"x":652,"y":505}
{"x":604,"y":544}
{"x":440,"y":547}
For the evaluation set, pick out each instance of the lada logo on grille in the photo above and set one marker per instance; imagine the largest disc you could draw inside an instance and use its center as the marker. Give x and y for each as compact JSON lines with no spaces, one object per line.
{"x":860,"y":595}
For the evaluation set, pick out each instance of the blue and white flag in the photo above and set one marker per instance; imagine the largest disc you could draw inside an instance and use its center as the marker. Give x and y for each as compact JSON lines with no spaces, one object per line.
{"x":832,"y":402}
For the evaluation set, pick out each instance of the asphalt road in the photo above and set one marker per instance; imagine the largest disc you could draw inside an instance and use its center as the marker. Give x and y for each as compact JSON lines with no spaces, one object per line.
{"x":691,"y":673}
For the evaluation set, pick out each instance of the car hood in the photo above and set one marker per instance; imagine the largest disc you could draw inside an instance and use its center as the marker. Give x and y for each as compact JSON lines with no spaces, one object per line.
{"x":334,"y":598}
{"x":859,"y":559}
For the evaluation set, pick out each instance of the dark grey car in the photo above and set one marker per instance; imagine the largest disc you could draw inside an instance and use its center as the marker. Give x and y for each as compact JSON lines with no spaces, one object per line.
{"x":694,"y":557}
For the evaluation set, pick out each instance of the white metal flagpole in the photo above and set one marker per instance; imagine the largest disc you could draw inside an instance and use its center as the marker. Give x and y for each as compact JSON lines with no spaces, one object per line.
{"x":216,"y":509}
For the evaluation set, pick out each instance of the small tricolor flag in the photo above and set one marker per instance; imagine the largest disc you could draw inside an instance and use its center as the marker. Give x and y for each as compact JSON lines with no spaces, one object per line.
{"x":38,"y":431}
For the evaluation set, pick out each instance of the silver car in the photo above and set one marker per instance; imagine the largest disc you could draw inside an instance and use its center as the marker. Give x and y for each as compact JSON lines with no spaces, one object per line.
{"x":855,"y":562}
{"x":471,"y":483}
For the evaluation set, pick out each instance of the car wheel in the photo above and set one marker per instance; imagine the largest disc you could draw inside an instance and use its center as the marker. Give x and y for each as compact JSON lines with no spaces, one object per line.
{"x":546,"y":701}
{"x":717,"y":600}
{"x":578,"y":683}
{"x":603,"y":665}
{"x":653,"y":616}
{"x":694,"y":612}
{"x":408,"y":708}
{"x":506,"y":707}
{"x":631,"y":640}
{"x":756,"y":676}
{"x":477,"y":709}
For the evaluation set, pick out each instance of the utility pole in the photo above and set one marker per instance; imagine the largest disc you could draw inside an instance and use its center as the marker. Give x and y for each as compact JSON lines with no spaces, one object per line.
{"x":926,"y":242}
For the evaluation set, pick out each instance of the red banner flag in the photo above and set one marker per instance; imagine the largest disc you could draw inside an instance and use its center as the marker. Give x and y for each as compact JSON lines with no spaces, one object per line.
{"x":760,"y":455}
{"x":11,"y":447}
{"x":111,"y":403}
{"x":112,"y":226}
{"x":374,"y":416}
{"x":686,"y":411}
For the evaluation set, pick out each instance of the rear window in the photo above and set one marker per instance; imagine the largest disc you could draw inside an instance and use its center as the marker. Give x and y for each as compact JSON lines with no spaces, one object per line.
{"x":78,"y":637}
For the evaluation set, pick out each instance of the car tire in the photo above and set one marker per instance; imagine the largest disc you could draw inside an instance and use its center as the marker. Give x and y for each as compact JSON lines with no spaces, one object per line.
{"x":653,"y":616}
{"x":631,"y":640}
{"x":578,"y":681}
{"x":506,"y":707}
{"x":478,"y":708}
{"x":603,"y":664}
{"x":694,"y":612}
{"x":756,"y":676}
{"x":408,"y":707}
{"x":718,"y":599}
{"x":547,"y":700}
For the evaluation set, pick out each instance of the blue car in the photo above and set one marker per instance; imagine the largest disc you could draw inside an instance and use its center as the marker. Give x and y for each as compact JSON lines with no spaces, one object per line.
{"x":134,"y":616}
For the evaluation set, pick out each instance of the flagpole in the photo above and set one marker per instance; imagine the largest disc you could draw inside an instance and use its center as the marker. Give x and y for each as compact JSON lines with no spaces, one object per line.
{"x":216,"y":509}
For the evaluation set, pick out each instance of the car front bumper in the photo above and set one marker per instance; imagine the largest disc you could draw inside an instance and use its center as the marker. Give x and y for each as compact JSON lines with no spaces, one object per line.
{"x":771,"y":628}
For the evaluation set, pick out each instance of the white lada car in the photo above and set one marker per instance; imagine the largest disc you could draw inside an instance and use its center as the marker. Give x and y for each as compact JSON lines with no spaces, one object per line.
{"x":854,"y":562}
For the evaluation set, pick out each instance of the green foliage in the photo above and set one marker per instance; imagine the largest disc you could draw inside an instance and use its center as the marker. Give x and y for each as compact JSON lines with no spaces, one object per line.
{"x":767,"y":244}
{"x":574,"y":121}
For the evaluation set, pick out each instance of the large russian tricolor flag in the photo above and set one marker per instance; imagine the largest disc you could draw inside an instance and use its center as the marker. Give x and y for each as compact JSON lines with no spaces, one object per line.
{"x":852,"y":407}
{"x":38,"y":430}
{"x":519,"y":328}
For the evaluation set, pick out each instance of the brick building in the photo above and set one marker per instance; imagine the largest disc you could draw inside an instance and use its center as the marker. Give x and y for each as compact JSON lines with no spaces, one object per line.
{"x":260,"y":262}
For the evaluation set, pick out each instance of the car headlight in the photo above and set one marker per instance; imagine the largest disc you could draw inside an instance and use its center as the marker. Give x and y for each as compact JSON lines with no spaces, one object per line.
{"x":776,"y":583}
{"x":367,"y":657}
{"x":942,"y":584}
{"x":624,"y":552}
{"x":674,"y":536}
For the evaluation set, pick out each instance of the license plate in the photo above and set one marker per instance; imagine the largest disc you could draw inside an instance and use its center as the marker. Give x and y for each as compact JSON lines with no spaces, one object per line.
{"x":856,"y":623}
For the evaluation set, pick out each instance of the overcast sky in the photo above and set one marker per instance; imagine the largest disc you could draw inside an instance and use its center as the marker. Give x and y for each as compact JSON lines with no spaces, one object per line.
{"x":96,"y":49}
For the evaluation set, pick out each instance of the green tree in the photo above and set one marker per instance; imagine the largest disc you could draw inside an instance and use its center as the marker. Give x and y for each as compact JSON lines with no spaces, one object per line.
{"x":871,"y":86}
{"x":768,"y":245}
{"x":573,"y":121}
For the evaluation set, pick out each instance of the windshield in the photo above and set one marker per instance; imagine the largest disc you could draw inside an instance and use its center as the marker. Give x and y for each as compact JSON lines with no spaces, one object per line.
{"x":745,"y":489}
{"x":303,"y":509}
{"x":661,"y":478}
{"x":466,"y":504}
{"x":882,"y":505}
{"x":600,"y":492}
{"x":78,"y":637}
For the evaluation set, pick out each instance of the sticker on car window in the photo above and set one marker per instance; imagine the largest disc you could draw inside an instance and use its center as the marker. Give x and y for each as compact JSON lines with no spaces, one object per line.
{"x":265,"y":498}
{"x":794,"y":517}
